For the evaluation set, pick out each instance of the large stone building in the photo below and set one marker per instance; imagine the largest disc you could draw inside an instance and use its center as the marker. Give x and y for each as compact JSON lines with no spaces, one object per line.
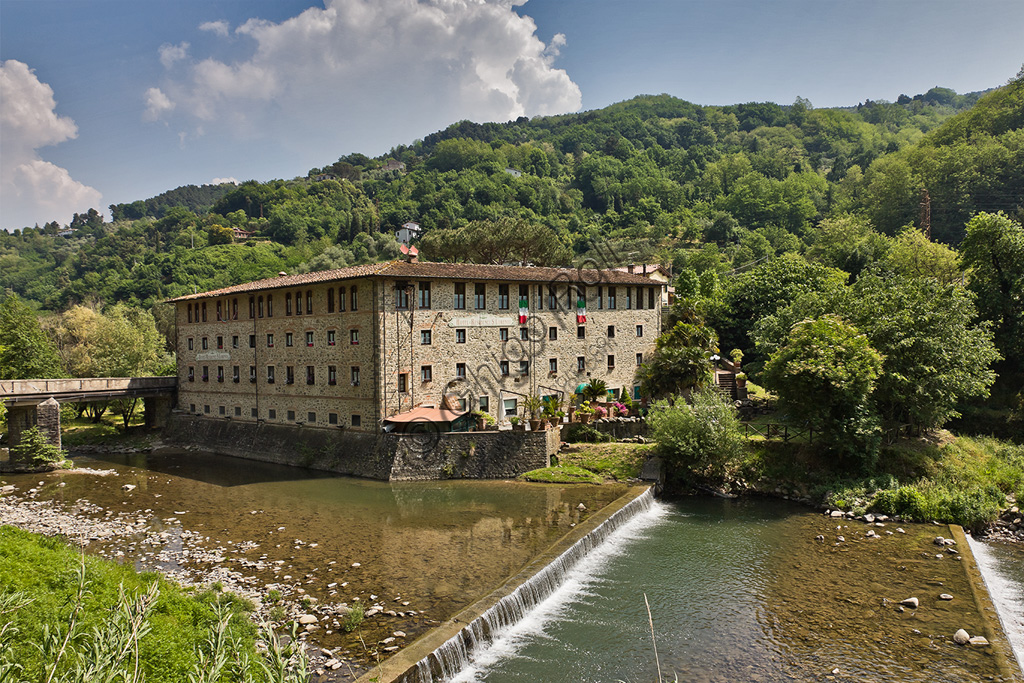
{"x":348,"y":348}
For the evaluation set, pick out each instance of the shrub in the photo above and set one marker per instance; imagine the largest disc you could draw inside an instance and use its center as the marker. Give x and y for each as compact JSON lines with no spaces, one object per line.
{"x":354,"y":618}
{"x":36,"y":451}
{"x":702,"y":439}
{"x":584,"y":432}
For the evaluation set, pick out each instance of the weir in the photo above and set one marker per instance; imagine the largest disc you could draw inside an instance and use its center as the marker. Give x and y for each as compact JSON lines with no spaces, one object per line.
{"x":444,"y":652}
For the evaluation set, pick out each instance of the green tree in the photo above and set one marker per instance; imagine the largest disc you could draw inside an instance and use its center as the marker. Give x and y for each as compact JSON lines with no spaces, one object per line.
{"x":914,"y":255}
{"x":824,"y":375}
{"x":25,"y":350}
{"x":681,"y":361}
{"x":993,"y":255}
{"x":699,"y":440}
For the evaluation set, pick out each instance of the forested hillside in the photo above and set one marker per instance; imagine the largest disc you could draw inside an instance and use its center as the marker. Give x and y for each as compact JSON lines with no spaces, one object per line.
{"x":653,"y":178}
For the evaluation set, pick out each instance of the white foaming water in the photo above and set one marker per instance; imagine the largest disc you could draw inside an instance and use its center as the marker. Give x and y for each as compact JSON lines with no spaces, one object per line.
{"x":1007,"y":593}
{"x":504,"y":628}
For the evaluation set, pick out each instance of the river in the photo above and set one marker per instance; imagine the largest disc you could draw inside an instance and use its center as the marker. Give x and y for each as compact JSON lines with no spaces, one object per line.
{"x":738,"y":590}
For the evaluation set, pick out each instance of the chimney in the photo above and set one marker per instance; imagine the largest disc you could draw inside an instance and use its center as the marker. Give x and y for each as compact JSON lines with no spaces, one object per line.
{"x":631,"y":268}
{"x":414,"y":255}
{"x":645,"y":269}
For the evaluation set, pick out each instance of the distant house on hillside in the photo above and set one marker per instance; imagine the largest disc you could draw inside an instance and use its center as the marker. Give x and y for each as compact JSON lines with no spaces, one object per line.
{"x":240,"y":234}
{"x":515,"y":173}
{"x":393,"y":165}
{"x":408,"y":232}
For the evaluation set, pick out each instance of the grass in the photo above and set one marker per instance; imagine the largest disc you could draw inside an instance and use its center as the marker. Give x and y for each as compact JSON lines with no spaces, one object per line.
{"x":563,"y":474}
{"x":66,"y":612}
{"x":594,"y":463}
{"x":617,"y":461}
{"x":83,"y":432}
{"x":962,"y":480}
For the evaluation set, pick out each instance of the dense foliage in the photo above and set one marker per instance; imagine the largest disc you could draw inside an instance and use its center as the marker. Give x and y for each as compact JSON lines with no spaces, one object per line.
{"x":700,"y":438}
{"x":768,"y":215}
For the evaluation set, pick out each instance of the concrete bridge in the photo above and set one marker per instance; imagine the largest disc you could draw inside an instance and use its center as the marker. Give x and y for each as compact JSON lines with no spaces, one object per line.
{"x":36,"y":402}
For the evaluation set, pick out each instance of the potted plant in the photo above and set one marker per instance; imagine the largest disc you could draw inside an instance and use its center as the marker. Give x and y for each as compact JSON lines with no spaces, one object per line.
{"x":534,"y":406}
{"x":737,"y":358}
{"x":600,"y":412}
{"x":585,"y":411}
{"x":483,"y":420}
{"x":741,"y":379}
{"x":621,"y":410}
{"x":552,"y":410}
{"x":596,"y":390}
{"x":516,"y":425}
{"x":627,"y":401}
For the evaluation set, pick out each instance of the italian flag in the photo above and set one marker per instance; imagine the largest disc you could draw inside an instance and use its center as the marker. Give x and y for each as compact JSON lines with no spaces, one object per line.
{"x":524,"y":306}
{"x":581,"y":311}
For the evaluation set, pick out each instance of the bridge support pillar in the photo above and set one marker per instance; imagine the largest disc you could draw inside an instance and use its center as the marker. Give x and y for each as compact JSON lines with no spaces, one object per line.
{"x":45,"y":416}
{"x":157,"y":409}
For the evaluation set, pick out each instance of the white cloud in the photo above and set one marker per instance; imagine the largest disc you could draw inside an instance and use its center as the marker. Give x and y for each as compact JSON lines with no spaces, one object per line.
{"x":219,"y":28}
{"x":221,"y":181}
{"x":157,"y":103}
{"x":368,"y":74}
{"x":33,"y":190}
{"x":169,"y":54}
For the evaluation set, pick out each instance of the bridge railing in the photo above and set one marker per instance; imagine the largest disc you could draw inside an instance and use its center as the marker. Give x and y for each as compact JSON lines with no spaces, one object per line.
{"x":15,"y":388}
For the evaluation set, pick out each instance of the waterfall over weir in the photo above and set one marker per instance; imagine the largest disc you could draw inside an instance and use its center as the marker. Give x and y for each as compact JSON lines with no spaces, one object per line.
{"x":454,"y":655}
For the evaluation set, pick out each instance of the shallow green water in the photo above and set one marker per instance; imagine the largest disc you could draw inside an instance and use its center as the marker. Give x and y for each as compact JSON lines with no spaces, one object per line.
{"x":741,"y":591}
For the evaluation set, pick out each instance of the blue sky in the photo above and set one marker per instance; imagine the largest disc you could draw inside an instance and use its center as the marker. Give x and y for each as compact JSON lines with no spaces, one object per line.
{"x":106,"y":101}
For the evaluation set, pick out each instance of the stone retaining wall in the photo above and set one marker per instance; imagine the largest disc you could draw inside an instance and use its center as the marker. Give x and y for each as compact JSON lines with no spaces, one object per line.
{"x":472,"y":455}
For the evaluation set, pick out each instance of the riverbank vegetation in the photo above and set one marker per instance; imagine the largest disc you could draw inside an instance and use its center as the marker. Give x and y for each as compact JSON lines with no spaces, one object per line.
{"x":594,"y":463}
{"x":72,"y":617}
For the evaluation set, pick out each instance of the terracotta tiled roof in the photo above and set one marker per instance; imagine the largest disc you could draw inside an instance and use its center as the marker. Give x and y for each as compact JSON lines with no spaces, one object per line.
{"x":427,"y":414}
{"x":403,"y":270}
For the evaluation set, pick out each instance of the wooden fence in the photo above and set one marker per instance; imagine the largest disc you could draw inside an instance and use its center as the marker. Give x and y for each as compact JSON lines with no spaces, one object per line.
{"x":784,"y":432}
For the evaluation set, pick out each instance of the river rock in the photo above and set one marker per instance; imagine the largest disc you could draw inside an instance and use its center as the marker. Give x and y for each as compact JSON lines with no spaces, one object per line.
{"x":129,"y":487}
{"x":399,"y":634}
{"x":869,"y":518}
{"x":961,"y":637}
{"x":835,"y":514}
{"x":910,"y":602}
{"x":307,"y":619}
{"x":581,"y":507}
{"x":945,"y":596}
{"x":978,"y":641}
{"x":939,"y":540}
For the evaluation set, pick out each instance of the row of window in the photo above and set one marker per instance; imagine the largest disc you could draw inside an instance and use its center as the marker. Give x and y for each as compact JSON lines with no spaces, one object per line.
{"x":301,"y":302}
{"x":332,"y":418}
{"x":426,"y":337}
{"x":426,"y":372}
{"x":260,"y":306}
{"x":505,"y":370}
{"x":289,"y":340}
{"x":289,"y":374}
{"x":575,"y":295}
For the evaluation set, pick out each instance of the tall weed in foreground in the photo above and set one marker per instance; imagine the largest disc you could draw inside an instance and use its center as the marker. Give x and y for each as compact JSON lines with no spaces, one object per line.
{"x":102,"y":623}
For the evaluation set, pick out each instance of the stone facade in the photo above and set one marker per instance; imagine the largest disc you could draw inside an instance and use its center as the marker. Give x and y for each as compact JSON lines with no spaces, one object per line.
{"x":388,"y":457}
{"x":373,"y":341}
